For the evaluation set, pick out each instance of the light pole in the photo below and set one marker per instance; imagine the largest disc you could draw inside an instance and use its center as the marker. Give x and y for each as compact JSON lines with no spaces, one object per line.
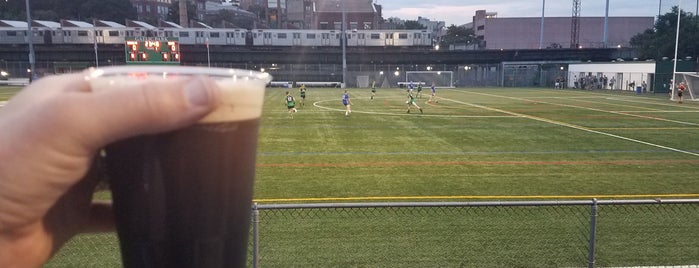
{"x":30,"y":34}
{"x":541,"y":33}
{"x":344,"y":44}
{"x":677,"y":41}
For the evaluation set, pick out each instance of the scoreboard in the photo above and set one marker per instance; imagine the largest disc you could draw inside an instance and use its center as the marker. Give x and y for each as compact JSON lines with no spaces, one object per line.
{"x":152,"y":50}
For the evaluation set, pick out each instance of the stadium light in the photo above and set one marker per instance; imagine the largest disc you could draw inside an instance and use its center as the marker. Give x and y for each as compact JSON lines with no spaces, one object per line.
{"x":397,"y":73}
{"x":262,"y":70}
{"x":429,"y":68}
{"x":436,"y":47}
{"x":381,"y":73}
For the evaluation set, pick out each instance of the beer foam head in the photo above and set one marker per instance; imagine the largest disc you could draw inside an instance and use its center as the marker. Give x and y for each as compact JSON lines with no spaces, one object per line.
{"x":242,"y":90}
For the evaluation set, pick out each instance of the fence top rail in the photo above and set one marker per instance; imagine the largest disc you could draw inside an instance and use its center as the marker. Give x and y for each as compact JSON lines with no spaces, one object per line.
{"x":476,"y":204}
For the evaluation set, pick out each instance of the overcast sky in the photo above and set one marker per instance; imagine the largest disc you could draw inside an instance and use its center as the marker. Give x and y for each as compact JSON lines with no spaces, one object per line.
{"x":461,"y":11}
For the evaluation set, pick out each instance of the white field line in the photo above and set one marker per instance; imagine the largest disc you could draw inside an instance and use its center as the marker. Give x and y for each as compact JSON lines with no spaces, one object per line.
{"x":316,"y":104}
{"x":621,"y":105}
{"x":588,"y":108}
{"x":569,"y":125}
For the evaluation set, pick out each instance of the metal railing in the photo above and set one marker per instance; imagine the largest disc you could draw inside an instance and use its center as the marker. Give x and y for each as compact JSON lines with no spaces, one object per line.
{"x":573,"y":233}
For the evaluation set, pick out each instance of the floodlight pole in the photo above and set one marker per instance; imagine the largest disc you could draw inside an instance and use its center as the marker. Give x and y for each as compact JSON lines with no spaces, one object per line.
{"x":541,"y":33}
{"x":30,"y":42}
{"x":343,"y":36}
{"x":606,"y":25}
{"x":677,"y":41}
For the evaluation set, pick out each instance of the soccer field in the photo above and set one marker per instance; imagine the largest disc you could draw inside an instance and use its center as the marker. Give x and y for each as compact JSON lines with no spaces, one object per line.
{"x":477,"y":143}
{"x":471,"y":145}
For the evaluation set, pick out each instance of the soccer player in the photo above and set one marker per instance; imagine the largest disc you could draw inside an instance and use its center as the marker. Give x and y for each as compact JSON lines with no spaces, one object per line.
{"x":303,"y":94}
{"x":347,"y":102}
{"x":411,"y":101}
{"x":410,"y":87}
{"x":373,"y":89}
{"x":680,"y":89}
{"x":290,"y":103}
{"x":434,"y":94}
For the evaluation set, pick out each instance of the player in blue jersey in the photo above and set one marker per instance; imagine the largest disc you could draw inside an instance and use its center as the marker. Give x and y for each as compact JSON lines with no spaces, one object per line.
{"x":347,"y":102}
{"x":434,"y":94}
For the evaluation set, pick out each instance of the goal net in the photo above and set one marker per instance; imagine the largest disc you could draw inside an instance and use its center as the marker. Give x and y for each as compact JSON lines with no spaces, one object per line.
{"x":691,"y":81}
{"x":441,"y":79}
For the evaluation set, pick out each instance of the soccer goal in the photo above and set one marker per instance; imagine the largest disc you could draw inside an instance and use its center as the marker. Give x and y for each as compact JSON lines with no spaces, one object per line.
{"x":441,"y":79}
{"x":691,"y":80}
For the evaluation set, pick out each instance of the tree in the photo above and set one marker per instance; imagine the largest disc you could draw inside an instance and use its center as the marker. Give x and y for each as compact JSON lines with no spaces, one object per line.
{"x":659,"y":42}
{"x":458,"y":35}
{"x":412,"y":25}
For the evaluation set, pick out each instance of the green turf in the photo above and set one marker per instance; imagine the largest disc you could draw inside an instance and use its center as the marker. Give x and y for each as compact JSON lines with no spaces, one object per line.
{"x":474,"y":144}
{"x":478,"y":142}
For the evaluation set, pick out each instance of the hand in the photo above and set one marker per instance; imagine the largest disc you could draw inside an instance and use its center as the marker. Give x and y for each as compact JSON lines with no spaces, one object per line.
{"x":49,"y":134}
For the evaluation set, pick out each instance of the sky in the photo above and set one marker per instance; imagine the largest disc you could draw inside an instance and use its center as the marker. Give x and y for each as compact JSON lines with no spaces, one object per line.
{"x":460,"y":12}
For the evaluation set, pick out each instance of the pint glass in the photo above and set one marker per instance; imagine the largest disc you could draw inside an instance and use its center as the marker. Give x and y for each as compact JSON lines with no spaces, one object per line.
{"x":183,"y":198}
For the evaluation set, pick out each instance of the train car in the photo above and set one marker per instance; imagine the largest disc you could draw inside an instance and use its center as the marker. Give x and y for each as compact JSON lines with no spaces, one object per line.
{"x":309,"y":38}
{"x":105,"y":32}
{"x":383,"y":38}
{"x":221,"y":36}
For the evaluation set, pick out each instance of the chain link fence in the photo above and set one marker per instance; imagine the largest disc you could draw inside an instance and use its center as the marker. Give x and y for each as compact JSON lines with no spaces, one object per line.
{"x":466,"y":234}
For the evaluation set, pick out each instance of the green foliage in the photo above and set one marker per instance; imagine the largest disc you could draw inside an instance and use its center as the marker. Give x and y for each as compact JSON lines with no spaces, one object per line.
{"x":659,"y":42}
{"x":410,"y":25}
{"x":458,"y":35}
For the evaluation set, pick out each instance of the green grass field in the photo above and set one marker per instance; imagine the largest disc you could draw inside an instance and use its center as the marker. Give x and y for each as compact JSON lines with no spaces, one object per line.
{"x":474,"y":144}
{"x":487,"y":143}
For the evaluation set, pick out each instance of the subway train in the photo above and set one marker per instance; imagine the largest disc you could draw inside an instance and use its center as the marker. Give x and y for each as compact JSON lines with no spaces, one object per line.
{"x":55,"y":34}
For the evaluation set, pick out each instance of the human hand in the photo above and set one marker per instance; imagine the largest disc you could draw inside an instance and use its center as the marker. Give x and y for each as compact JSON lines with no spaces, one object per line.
{"x":49,"y":134}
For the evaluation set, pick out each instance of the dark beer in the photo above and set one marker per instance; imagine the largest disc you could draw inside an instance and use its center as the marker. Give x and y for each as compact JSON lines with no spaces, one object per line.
{"x":183,"y":198}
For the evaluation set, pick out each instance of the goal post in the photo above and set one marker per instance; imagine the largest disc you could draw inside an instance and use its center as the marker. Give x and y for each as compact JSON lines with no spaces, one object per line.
{"x":691,"y":81}
{"x":441,"y":79}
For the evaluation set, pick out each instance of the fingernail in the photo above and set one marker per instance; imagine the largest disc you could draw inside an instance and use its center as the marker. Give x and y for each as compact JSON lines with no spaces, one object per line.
{"x":197,"y":93}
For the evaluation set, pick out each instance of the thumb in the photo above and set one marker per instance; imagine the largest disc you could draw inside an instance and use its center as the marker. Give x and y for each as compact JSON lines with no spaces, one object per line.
{"x":148,"y":108}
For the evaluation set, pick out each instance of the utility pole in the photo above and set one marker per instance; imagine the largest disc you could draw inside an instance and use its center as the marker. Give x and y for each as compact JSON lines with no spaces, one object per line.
{"x":30,"y":41}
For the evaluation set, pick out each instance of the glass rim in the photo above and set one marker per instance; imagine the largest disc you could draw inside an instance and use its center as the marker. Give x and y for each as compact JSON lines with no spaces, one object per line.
{"x":178,"y":70}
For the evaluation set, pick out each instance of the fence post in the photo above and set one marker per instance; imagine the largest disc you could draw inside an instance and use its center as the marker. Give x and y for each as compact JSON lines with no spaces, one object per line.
{"x":593,"y":235}
{"x":255,"y":236}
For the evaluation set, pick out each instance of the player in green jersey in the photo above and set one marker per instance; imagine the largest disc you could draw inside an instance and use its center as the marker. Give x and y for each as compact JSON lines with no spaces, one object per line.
{"x":303,"y":94}
{"x":290,"y":103}
{"x":411,"y":101}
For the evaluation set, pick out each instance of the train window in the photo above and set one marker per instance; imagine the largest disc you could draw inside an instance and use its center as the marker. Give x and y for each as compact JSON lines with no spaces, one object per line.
{"x":67,"y":33}
{"x":310,"y":36}
{"x":214,"y":35}
{"x":297,"y":35}
{"x":184,"y":34}
{"x":416,"y":36}
{"x":375,"y":36}
{"x":361,"y":36}
{"x":325,"y":36}
{"x":389,"y":36}
{"x":268,"y":35}
{"x":281,"y":35}
{"x":403,"y":36}
{"x":82,"y":33}
{"x":113,"y":33}
{"x":11,"y":33}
